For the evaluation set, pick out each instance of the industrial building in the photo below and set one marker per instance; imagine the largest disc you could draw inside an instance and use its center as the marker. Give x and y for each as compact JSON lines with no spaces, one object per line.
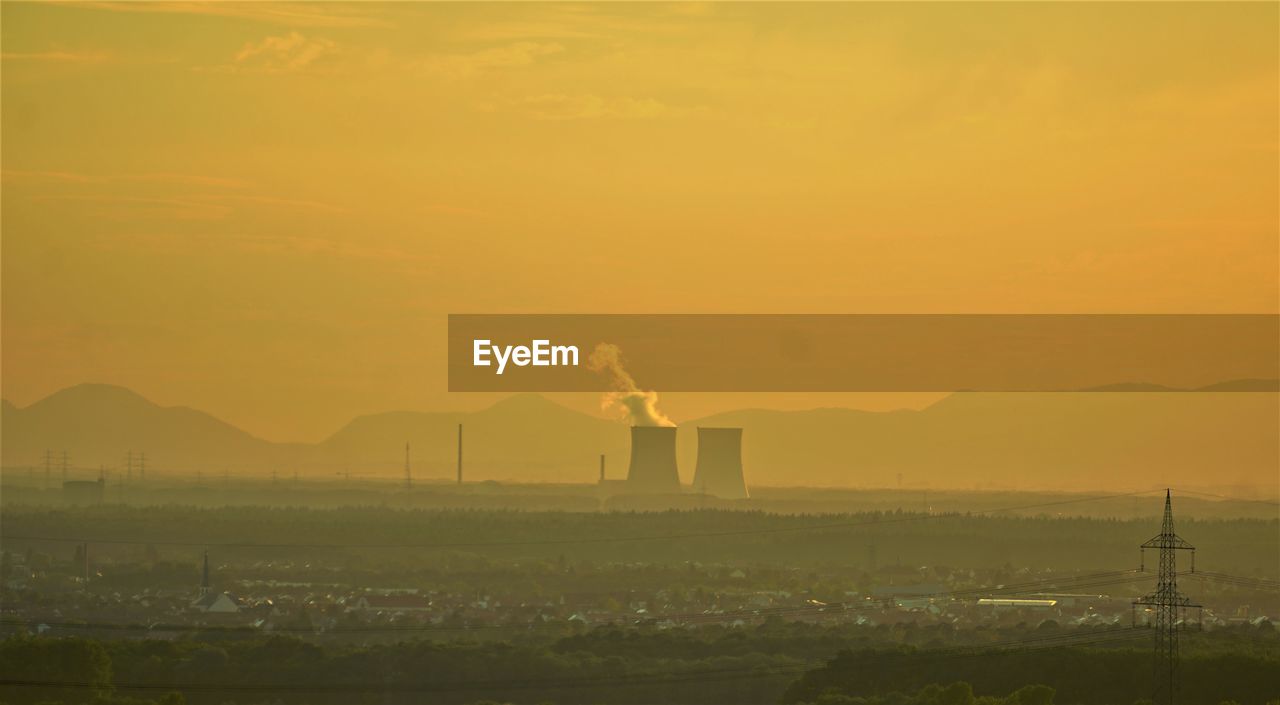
{"x":719,"y":469}
{"x":653,"y":461}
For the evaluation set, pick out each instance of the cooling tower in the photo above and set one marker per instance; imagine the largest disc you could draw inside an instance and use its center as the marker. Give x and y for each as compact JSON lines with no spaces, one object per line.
{"x":653,"y":460}
{"x":719,"y":471}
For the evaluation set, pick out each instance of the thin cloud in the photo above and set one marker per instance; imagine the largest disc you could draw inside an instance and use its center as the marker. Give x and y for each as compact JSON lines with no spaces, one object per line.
{"x":130,"y":208}
{"x":502,"y":57}
{"x":287,"y":14}
{"x":558,"y":106}
{"x":152,"y":177}
{"x":589,"y":21}
{"x":58,"y":57}
{"x":279,"y":202}
{"x":290,"y":52}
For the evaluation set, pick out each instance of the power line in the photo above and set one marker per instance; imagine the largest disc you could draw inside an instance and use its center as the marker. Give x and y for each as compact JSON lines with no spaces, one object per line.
{"x":580,"y":539}
{"x":1268,"y":502}
{"x":1236,"y":580}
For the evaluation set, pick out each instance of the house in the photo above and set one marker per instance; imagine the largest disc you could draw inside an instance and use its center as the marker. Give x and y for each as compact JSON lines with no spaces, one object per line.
{"x":393,"y":603}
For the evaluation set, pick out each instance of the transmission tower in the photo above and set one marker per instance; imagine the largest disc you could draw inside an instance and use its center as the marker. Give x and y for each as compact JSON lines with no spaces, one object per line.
{"x":65,"y":465}
{"x":1169,"y":605}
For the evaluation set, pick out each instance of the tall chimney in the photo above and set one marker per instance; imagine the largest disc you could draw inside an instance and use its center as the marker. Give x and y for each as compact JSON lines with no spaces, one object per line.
{"x":653,"y":460}
{"x":459,"y":454}
{"x":602,"y":467}
{"x":719,"y":470}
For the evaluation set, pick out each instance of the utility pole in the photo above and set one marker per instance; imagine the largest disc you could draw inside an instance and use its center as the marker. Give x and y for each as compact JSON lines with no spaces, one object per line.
{"x":142,"y":467}
{"x":48,"y":465}
{"x":128,"y":464}
{"x":408,"y":475}
{"x":65,"y":465}
{"x":1169,"y":605}
{"x":459,"y":454}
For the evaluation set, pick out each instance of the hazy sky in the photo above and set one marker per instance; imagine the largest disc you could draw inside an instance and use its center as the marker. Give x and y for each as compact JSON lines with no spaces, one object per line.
{"x":266,"y":211}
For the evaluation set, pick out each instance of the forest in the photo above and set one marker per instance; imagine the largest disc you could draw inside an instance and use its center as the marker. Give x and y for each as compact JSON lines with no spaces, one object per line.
{"x":383,"y":535}
{"x":776,"y":661}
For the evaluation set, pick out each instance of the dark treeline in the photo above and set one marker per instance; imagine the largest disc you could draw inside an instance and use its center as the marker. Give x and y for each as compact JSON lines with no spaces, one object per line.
{"x":1247,"y":547}
{"x":630,"y":666}
{"x":1077,"y":675}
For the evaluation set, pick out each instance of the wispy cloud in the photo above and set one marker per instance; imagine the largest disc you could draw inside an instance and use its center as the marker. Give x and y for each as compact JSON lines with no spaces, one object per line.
{"x":199,"y":206}
{"x":56,"y":56}
{"x":132,"y":208}
{"x":590,"y":21}
{"x":292,"y":203}
{"x":559,"y":106}
{"x":289,"y":52}
{"x":157,"y":194}
{"x":287,"y":14}
{"x":268,"y":244}
{"x":501,"y":57}
{"x":151,"y":177}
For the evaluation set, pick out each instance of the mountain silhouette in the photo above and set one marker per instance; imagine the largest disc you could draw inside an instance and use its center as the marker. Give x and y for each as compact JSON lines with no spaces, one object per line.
{"x":1065,"y":440}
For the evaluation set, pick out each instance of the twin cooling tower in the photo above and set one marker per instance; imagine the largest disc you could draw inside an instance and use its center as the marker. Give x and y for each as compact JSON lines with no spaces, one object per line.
{"x":653,"y":462}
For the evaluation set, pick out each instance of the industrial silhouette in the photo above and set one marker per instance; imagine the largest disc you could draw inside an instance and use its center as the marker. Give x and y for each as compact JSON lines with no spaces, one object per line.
{"x":1169,"y":605}
{"x":653,"y":460}
{"x":719,"y":469}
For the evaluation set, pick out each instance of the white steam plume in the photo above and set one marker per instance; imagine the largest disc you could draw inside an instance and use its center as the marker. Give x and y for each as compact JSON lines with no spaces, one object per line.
{"x":640,"y":406}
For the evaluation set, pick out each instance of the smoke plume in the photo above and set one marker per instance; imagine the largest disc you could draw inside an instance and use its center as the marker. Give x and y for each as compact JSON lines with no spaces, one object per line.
{"x":640,"y":406}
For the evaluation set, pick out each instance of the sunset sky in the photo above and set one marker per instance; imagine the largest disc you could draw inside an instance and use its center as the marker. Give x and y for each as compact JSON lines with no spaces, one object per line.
{"x":266,"y":211}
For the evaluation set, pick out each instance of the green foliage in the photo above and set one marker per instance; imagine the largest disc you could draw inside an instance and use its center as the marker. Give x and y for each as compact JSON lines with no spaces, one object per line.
{"x":958,"y":693}
{"x":82,"y":662}
{"x":960,"y":540}
{"x":640,"y":665}
{"x":1081,"y":676}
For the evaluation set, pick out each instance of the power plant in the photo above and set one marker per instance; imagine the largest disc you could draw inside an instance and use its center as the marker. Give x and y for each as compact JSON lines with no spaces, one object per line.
{"x":653,"y":461}
{"x":719,"y":469}
{"x":653,"y":467}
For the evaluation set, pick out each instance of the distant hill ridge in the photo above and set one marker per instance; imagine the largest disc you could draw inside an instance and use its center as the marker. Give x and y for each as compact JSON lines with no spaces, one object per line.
{"x":1027,"y":440}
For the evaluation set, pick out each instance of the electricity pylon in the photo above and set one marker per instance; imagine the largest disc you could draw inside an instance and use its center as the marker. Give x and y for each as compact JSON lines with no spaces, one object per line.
{"x":1169,"y":605}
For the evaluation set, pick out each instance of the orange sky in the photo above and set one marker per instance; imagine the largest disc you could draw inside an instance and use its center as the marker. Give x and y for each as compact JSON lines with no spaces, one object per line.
{"x":266,"y":211}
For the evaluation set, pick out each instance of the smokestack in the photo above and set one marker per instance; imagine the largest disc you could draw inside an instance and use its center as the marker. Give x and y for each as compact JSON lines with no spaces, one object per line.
{"x":719,"y":470}
{"x":653,"y":460}
{"x":459,"y":454}
{"x":602,"y":467}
